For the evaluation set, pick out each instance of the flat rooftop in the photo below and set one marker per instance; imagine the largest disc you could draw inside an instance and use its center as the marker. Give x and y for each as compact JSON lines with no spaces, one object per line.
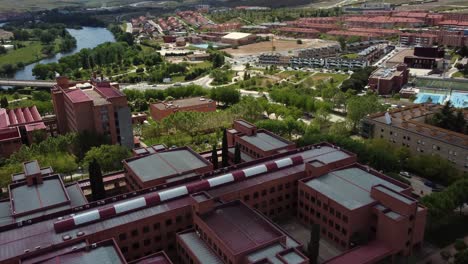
{"x":370,"y":253}
{"x":87,"y":255}
{"x":199,"y":248}
{"x":239,"y":227}
{"x":164,"y":164}
{"x":274,"y":255}
{"x":265,"y":142}
{"x":156,"y":258}
{"x":96,"y":97}
{"x":237,"y":35}
{"x":349,"y":187}
{"x":183,"y":103}
{"x":30,"y":198}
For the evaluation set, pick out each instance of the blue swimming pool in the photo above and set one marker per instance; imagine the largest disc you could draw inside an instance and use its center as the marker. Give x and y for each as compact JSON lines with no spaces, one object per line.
{"x":204,"y":46}
{"x":424,"y":97}
{"x":459,"y":100}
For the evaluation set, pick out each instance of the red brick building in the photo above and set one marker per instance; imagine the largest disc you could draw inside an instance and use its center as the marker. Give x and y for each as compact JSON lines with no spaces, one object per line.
{"x":388,"y":81}
{"x":299,"y":32}
{"x":17,"y":127}
{"x":96,"y":106}
{"x":164,"y":109}
{"x":418,"y":39}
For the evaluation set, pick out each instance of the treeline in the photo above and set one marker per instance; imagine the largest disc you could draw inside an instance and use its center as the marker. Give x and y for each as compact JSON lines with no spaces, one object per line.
{"x":72,"y":19}
{"x":449,"y":118}
{"x":358,"y":80}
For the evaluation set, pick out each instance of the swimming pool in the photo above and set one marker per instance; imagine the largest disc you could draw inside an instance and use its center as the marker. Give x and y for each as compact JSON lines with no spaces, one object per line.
{"x":459,"y":100}
{"x":424,"y":97}
{"x":204,"y":46}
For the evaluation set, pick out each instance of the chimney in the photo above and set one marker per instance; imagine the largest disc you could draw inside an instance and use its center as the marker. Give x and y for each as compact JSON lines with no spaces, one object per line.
{"x":32,"y":173}
{"x":63,"y":82}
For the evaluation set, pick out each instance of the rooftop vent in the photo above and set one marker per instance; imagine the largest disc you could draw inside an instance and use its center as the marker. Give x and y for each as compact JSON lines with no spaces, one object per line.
{"x":66,"y":237}
{"x":80,"y":233}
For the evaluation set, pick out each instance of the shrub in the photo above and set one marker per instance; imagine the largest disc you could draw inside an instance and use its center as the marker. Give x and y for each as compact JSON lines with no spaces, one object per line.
{"x":460,"y":244}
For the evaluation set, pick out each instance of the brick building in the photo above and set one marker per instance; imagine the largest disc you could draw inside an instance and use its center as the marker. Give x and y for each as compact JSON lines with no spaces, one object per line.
{"x":238,"y":38}
{"x":17,"y":127}
{"x":407,"y":128}
{"x":164,"y":109}
{"x":299,"y":32}
{"x":226,"y":216}
{"x":97,"y":106}
{"x":418,"y":39}
{"x":388,"y":81}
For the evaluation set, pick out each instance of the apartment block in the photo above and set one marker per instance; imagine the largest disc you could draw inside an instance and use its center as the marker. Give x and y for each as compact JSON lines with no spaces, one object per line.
{"x":407,"y":128}
{"x":96,"y":106}
{"x":388,"y":81}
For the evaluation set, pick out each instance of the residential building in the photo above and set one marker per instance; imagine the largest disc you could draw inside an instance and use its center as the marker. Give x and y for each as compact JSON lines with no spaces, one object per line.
{"x":418,"y":39}
{"x":226,"y":215}
{"x":18,"y":126}
{"x":320,"y":52}
{"x":299,"y":32}
{"x":97,"y":106}
{"x":274,"y":59}
{"x":426,"y":58}
{"x":388,"y":81}
{"x":406,"y":127}
{"x":161,"y":110}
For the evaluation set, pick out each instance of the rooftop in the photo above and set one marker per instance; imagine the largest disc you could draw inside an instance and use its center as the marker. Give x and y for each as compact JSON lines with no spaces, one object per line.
{"x":199,"y":248}
{"x":167,"y":163}
{"x":30,"y":198}
{"x":236,"y":35}
{"x":156,"y":258}
{"x":19,"y":116}
{"x":349,"y":187}
{"x":239,"y":227}
{"x":409,"y":119}
{"x":370,"y":253}
{"x":265,"y":142}
{"x":182,"y":103}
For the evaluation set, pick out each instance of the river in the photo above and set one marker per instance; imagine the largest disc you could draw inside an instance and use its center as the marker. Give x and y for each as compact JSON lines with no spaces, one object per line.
{"x":87,"y":37}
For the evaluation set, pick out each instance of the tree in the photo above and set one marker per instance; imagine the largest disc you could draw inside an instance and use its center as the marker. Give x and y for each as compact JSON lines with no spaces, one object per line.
{"x":224,"y":153}
{"x":214,"y":157}
{"x":342,"y":42}
{"x":226,"y":95}
{"x":237,"y":154}
{"x":108,"y":156}
{"x":461,"y":257}
{"x":95,"y":179}
{"x":4,"y":102}
{"x":360,"y":106}
{"x":314,"y":244}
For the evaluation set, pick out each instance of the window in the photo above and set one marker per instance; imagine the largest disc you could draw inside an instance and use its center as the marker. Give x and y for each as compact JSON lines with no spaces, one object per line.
{"x":319,"y":203}
{"x":246,"y":197}
{"x":325,"y":207}
{"x":280,"y":187}
{"x":272,"y":189}
{"x":345,"y":219}
{"x":124,"y":249}
{"x":264,"y":192}
{"x":338,"y":215}
{"x":255,"y":195}
{"x":344,"y":232}
{"x":287,"y":185}
{"x":332,"y":210}
{"x":145,"y":229}
{"x":156,"y":226}
{"x":136,"y":245}
{"x":318,"y":215}
{"x":146,"y":242}
{"x":122,"y":237}
{"x":410,"y":230}
{"x":337,"y":227}
{"x":178,"y":219}
{"x":134,"y":233}
{"x":168,"y":222}
{"x":330,"y":223}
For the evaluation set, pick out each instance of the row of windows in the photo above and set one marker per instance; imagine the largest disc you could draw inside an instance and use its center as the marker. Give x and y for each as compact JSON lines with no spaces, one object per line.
{"x":215,"y":247}
{"x":318,"y":204}
{"x":331,"y":235}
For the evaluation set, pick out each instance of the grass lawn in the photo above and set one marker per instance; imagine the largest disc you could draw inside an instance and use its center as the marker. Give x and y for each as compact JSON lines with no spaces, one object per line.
{"x":351,"y":56}
{"x":459,"y":75}
{"x":337,"y":78}
{"x":296,"y":75}
{"x":201,"y":65}
{"x":27,"y":55}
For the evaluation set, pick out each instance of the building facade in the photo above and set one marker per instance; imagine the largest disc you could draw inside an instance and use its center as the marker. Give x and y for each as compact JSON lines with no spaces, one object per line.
{"x":96,"y":106}
{"x":407,"y":128}
{"x":388,"y":81}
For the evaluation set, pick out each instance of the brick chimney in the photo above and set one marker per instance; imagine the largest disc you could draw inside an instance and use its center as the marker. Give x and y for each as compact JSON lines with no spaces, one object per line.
{"x":32,"y":173}
{"x":63,"y":82}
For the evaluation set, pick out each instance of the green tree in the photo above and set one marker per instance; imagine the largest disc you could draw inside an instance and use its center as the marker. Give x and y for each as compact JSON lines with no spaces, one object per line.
{"x":360,"y":106}
{"x":4,"y":102}
{"x":237,"y":154}
{"x":96,"y":181}
{"x":226,"y":95}
{"x":214,"y":157}
{"x":108,"y":156}
{"x":224,"y":153}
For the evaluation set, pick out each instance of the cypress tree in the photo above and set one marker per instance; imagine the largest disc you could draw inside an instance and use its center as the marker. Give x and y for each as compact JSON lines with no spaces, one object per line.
{"x":214,"y":157}
{"x":237,"y":154}
{"x":95,"y":180}
{"x":314,"y":244}
{"x":4,"y":102}
{"x":224,"y":153}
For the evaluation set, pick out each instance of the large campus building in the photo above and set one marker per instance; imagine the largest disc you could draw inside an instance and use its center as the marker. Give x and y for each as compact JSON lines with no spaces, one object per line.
{"x":407,"y":127}
{"x":96,"y":106}
{"x":228,"y":215}
{"x":389,"y":80}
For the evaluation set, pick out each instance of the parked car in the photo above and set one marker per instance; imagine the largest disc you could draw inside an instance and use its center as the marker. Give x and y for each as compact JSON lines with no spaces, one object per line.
{"x":405,"y":174}
{"x":429,"y":184}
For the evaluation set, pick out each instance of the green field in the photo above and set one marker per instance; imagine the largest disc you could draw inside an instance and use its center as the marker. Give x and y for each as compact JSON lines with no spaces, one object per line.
{"x":27,"y":55}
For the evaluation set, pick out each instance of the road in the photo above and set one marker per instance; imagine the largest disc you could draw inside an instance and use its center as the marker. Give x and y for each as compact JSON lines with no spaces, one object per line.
{"x":203,"y":81}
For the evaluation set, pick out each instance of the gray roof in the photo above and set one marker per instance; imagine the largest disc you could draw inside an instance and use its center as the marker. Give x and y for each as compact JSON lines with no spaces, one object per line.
{"x":27,"y":198}
{"x":5,"y":213}
{"x":31,"y":168}
{"x":395,"y":195}
{"x":244,"y":156}
{"x":199,"y":248}
{"x":265,"y":141}
{"x":103,"y":255}
{"x":77,"y":197}
{"x":271,"y":252}
{"x":164,"y":164}
{"x":350,"y":187}
{"x":393,"y":215}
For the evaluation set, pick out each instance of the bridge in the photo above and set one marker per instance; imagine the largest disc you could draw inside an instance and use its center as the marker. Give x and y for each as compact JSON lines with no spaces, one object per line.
{"x":33,"y":83}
